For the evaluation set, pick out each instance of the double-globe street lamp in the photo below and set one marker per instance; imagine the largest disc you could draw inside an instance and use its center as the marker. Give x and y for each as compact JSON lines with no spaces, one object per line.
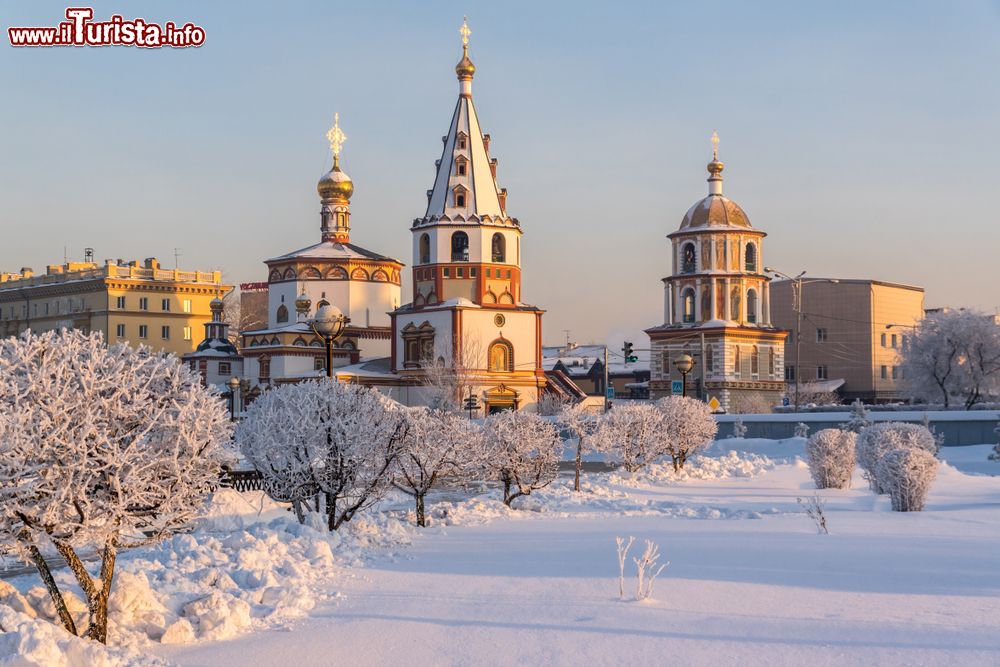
{"x":328,"y":324}
{"x":684,"y":364}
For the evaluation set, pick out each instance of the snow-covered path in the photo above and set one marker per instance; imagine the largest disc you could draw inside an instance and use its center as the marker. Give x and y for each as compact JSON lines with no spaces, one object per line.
{"x":884,"y":588}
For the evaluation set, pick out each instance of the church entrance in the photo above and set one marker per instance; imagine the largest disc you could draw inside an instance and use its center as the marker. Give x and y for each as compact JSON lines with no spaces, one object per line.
{"x":500,"y":398}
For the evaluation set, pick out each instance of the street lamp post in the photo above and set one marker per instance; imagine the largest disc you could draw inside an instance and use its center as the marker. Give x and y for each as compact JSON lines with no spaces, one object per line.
{"x":234,"y":397}
{"x":684,"y":364}
{"x":797,"y":307}
{"x":328,"y":324}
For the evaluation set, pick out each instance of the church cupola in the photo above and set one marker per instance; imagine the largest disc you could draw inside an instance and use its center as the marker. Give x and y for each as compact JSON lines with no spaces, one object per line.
{"x":335,"y":190}
{"x":465,"y":69}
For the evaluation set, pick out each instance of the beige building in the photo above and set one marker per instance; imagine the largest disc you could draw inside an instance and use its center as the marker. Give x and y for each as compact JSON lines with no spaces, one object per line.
{"x":852,"y":330}
{"x":165,"y":309}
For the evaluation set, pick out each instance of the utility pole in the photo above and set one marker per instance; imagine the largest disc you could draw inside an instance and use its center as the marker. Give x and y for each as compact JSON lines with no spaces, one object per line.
{"x":606,"y":407}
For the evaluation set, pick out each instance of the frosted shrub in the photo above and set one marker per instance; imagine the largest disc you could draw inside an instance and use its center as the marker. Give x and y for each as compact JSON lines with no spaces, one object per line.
{"x":802,"y":430}
{"x":906,"y":474}
{"x":689,"y":427}
{"x":831,"y":458}
{"x":739,"y":429}
{"x":324,"y":445}
{"x":580,"y":422}
{"x":102,"y":448}
{"x":522,"y":450}
{"x":859,"y":418}
{"x":875,"y":441}
{"x":636,"y":433}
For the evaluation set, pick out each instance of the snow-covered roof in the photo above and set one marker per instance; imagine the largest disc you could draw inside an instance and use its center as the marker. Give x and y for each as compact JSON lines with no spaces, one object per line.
{"x":577,"y":361}
{"x":367,"y":368}
{"x":331,"y":250}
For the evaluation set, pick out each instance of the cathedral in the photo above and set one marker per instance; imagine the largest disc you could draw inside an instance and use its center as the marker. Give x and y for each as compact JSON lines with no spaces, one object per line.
{"x":717,"y":309}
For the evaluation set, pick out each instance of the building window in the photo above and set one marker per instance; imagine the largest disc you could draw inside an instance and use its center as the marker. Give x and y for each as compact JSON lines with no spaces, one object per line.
{"x":143,"y":331}
{"x":737,"y":362}
{"x":187,"y":333}
{"x":461,"y":164}
{"x":461,"y":142}
{"x":883,"y":340}
{"x":143,"y":303}
{"x":460,"y":247}
{"x":820,"y":335}
{"x":459,"y":272}
{"x":688,"y":306}
{"x":904,"y":342}
{"x":501,"y":357}
{"x":165,"y":333}
{"x":770,"y":363}
{"x":187,"y":305}
{"x":225,"y":368}
{"x":751,"y":304}
{"x":893,"y":339}
{"x":688,"y":258}
{"x":751,"y":258}
{"x":460,"y":199}
{"x":499,"y":248}
{"x":755,"y":362}
{"x":120,"y":330}
{"x":418,"y":345}
{"x":282,"y":315}
{"x":447,"y":272}
{"x":265,"y":368}
{"x":789,"y":373}
{"x":472,"y":272}
{"x":120,"y":303}
{"x":895,"y":372}
{"x":425,"y":249}
{"x":710,"y":359}
{"x":165,"y":305}
{"x":885,"y":372}
{"x":821,"y":373}
{"x":489,"y":272}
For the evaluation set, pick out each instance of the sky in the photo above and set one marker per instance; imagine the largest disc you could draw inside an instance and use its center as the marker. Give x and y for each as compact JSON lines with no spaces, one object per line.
{"x":858,"y":135}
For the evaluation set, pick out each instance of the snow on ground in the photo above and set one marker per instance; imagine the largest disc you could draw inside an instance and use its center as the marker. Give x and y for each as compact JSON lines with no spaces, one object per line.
{"x":750,"y":580}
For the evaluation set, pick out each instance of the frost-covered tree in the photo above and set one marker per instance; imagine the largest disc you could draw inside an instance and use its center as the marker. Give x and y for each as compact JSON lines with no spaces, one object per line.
{"x":438,"y":445}
{"x":831,"y":458}
{"x":938,"y":437}
{"x":995,"y":456}
{"x":522,"y":451}
{"x":739,"y":429}
{"x":878,"y":439}
{"x":580,"y":423}
{"x":906,"y":474}
{"x":954,"y":356}
{"x":802,"y":430}
{"x":102,"y":448}
{"x":324,"y":445}
{"x":635,"y":433}
{"x":860,"y":419}
{"x":688,"y":425}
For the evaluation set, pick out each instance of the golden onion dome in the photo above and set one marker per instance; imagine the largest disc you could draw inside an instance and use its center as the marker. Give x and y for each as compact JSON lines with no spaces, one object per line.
{"x":303,"y":302}
{"x":335,"y":184}
{"x":465,"y":69}
{"x":715,"y":167}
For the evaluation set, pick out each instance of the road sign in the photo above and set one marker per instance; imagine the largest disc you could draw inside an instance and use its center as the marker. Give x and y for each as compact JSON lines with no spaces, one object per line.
{"x":611,"y":393}
{"x":676,"y":387}
{"x":713,"y":404}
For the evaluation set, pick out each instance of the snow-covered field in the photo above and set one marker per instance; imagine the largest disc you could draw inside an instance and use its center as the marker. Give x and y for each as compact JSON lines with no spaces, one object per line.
{"x":749,"y":582}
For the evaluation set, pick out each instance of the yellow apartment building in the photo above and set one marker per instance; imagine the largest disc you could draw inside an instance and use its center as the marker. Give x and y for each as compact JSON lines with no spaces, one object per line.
{"x":165,"y":309}
{"x":852,"y":330}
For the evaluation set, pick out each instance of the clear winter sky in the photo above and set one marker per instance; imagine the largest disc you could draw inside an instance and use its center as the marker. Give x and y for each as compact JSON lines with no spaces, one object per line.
{"x":862,"y":136}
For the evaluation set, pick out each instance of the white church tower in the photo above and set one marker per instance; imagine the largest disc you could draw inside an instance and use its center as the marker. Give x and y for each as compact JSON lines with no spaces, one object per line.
{"x":467,"y":311}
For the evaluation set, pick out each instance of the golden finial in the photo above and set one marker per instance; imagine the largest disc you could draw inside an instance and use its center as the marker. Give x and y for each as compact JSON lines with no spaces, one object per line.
{"x":336,"y":137}
{"x":715,"y":145}
{"x":465,"y":32}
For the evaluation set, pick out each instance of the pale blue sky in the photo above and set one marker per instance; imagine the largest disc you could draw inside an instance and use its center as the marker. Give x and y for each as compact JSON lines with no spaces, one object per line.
{"x":860,"y":135}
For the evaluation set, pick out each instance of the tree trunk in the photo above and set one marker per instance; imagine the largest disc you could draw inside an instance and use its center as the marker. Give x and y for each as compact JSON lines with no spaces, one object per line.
{"x":46,"y":574}
{"x":421,"y":518}
{"x":299,"y":514}
{"x":579,"y":463}
{"x":98,"y":629}
{"x":506,"y":492}
{"x":331,"y":512}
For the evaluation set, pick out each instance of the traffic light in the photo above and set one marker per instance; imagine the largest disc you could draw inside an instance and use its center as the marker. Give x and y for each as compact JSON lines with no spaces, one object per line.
{"x":627,"y":350}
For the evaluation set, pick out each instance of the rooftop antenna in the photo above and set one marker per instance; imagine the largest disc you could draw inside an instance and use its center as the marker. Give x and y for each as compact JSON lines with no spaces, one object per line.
{"x":65,"y":258}
{"x":177,"y":255}
{"x":567,"y":332}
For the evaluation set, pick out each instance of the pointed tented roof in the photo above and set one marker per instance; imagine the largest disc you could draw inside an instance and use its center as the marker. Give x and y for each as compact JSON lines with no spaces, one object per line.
{"x":482,"y":194}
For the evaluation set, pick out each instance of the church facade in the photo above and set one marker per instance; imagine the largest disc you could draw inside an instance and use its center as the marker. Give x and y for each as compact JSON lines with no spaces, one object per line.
{"x":717,"y":309}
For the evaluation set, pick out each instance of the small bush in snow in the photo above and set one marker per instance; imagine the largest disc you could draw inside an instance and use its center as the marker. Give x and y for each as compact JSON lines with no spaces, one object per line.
{"x":646,"y":569}
{"x":324,"y":445}
{"x":906,"y":474}
{"x":739,"y":429}
{"x":522,"y":450}
{"x":438,"y":444}
{"x":689,"y":427}
{"x":813,"y":508}
{"x":831,"y":458}
{"x":876,"y":440}
{"x":635,"y":433}
{"x":860,"y":419}
{"x":580,"y":423}
{"x":102,"y":448}
{"x":802,"y":430}
{"x":938,"y":437}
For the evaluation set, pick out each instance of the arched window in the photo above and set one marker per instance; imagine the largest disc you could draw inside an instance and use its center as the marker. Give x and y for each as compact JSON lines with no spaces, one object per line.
{"x":737,"y":362}
{"x":755,"y":362}
{"x":751,"y":258}
{"x":710,"y":359}
{"x":734,"y":304}
{"x":499,"y":248}
{"x":688,"y":305}
{"x":687,"y":258}
{"x":751,"y":305}
{"x":770,"y":362}
{"x":460,"y":247}
{"x":282,"y":315}
{"x":425,"y":249}
{"x":501,"y":357}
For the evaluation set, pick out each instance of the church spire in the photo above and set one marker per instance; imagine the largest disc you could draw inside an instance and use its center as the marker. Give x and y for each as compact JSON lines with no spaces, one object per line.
{"x":715,"y":168}
{"x":335,"y":190}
